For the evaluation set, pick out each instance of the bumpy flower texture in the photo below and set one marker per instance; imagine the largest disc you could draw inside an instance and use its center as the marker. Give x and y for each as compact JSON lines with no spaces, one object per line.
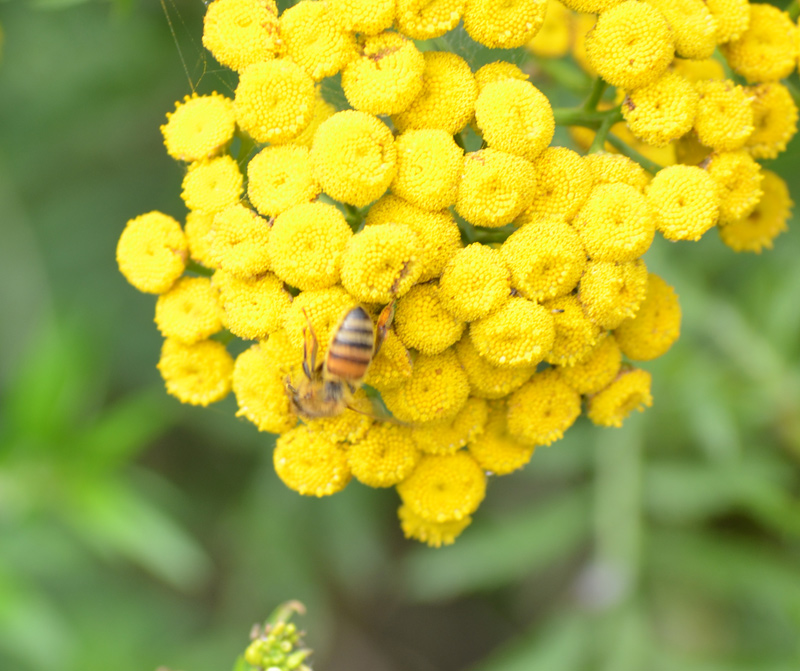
{"x":514,"y":269}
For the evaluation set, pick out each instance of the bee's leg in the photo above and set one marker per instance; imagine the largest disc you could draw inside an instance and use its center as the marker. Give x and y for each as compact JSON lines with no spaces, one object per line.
{"x":310,"y":348}
{"x":382,"y":327}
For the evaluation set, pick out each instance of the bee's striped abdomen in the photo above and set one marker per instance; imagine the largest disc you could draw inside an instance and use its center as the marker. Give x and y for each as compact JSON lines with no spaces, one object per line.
{"x":351,"y":347}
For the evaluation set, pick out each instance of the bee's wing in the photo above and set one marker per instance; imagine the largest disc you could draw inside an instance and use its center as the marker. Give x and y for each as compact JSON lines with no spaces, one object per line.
{"x":310,"y":348}
{"x":384,"y":322}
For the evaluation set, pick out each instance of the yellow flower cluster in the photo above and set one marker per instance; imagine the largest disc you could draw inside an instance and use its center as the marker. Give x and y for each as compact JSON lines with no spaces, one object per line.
{"x":423,"y":310}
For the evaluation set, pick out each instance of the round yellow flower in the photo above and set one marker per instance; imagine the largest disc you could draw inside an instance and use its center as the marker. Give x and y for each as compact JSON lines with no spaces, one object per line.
{"x":279,"y":177}
{"x":253,"y":307}
{"x":437,"y":390}
{"x":694,"y":27}
{"x":597,"y":370}
{"x":322,"y":110}
{"x":354,"y":157}
{"x":444,"y":487}
{"x":546,"y":259}
{"x":656,"y":325}
{"x":766,"y":51}
{"x":189,"y":311}
{"x":197,"y":374}
{"x":774,"y":118}
{"x":684,"y":201}
{"x":239,"y":33}
{"x":630,"y":45}
{"x":311,"y":464}
{"x":200,"y":127}
{"x":368,"y":17}
{"x":495,"y":187}
{"x":349,"y":426}
{"x":495,"y":450}
{"x":274,"y":101}
{"x":385,"y":456}
{"x":426,"y":19}
{"x":555,"y":35}
{"x":306,"y":245}
{"x":611,"y":292}
{"x":239,"y":242}
{"x":576,"y":335}
{"x":423,"y":324}
{"x":324,"y":308}
{"x":503,"y":25}
{"x":447,"y":97}
{"x":616,"y":169}
{"x":541,"y":410}
{"x":449,"y":435}
{"x":212,"y":185}
{"x":738,"y":178}
{"x":724,"y":118}
{"x":520,"y":333}
{"x":435,"y":534}
{"x":152,"y":252}
{"x":475,"y":283}
{"x":732,"y":17}
{"x":563,"y":183}
{"x":661,"y":111}
{"x":515,"y":117}
{"x":615,"y":223}
{"x":628,"y":392}
{"x":497,"y":72}
{"x":380,"y":263}
{"x":386,"y":75}
{"x":198,"y":235}
{"x":391,"y":366}
{"x":487,"y":380}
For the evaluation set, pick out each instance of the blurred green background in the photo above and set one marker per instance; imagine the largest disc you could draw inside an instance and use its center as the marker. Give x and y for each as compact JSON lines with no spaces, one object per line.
{"x":136,"y":532}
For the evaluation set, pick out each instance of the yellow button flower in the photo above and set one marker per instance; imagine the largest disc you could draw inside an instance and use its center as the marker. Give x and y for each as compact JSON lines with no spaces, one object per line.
{"x":732,"y":17}
{"x":615,"y":223}
{"x":152,"y":252}
{"x":774,"y":118}
{"x":324,"y":308}
{"x":311,"y":464}
{"x":514,"y":116}
{"x":503,"y":25}
{"x":576,"y":335}
{"x":447,"y":97}
{"x":766,"y":51}
{"x":449,"y":435}
{"x":198,"y":235}
{"x":541,"y":410}
{"x":386,"y":75}
{"x":555,"y":35}
{"x":239,"y":33}
{"x":322,"y":110}
{"x":546,"y":259}
{"x":274,"y":101}
{"x":631,"y":45}
{"x":616,"y":169}
{"x":189,"y":311}
{"x":426,"y":19}
{"x":563,"y":183}
{"x":380,"y":263}
{"x":306,"y":245}
{"x":252,"y":307}
{"x":279,"y":177}
{"x":444,"y":487}
{"x":738,"y":178}
{"x":495,"y":450}
{"x":212,"y":185}
{"x":487,"y":380}
{"x":197,"y":374}
{"x":663,"y":110}
{"x":354,"y":157}
{"x":384,"y":457}
{"x":200,"y":127}
{"x":694,"y":27}
{"x":349,"y":426}
{"x":611,"y":292}
{"x":475,"y":283}
{"x":628,"y":392}
{"x":724,"y":118}
{"x":597,"y":370}
{"x":368,"y":17}
{"x":495,"y":187}
{"x":656,"y":325}
{"x":423,"y":324}
{"x":239,"y":242}
{"x":684,"y":201}
{"x":434,"y":534}
{"x":497,"y":72}
{"x":437,"y":390}
{"x":391,"y":366}
{"x":520,"y":333}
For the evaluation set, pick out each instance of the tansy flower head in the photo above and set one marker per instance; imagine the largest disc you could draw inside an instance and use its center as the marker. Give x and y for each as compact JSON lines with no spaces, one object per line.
{"x":239,"y":242}
{"x":694,"y":28}
{"x":546,"y":259}
{"x":597,"y":370}
{"x":447,"y":97}
{"x":274,"y":101}
{"x":611,"y":292}
{"x":724,"y":118}
{"x":495,"y":450}
{"x":495,"y":187}
{"x":314,"y":40}
{"x":380,"y":263}
{"x":661,"y":111}
{"x":444,"y":487}
{"x":309,"y":463}
{"x":503,"y":25}
{"x":306,"y":245}
{"x":200,"y":127}
{"x":656,"y":325}
{"x":349,"y":426}
{"x":198,"y":235}
{"x":615,"y":223}
{"x":487,"y":380}
{"x":152,"y":252}
{"x":239,"y":33}
{"x":386,"y":75}
{"x":423,"y":324}
{"x":322,"y":110}
{"x":541,"y":410}
{"x":520,"y":333}
{"x":766,"y":51}
{"x":189,"y":310}
{"x":253,"y":307}
{"x":628,"y":392}
{"x":630,"y":45}
{"x":279,"y":177}
{"x":385,"y":456}
{"x":324,"y":308}
{"x":732,"y":17}
{"x":514,"y":116}
{"x":497,"y":72}
{"x":435,"y":534}
{"x":426,"y":19}
{"x":684,"y":201}
{"x":368,"y":17}
{"x":212,"y":185}
{"x":774,"y":118}
{"x":197,"y":374}
{"x":738,"y":179}
{"x":555,"y":34}
{"x":474,"y":283}
{"x":449,"y":435}
{"x":354,"y":157}
{"x":576,"y":335}
{"x":391,"y":366}
{"x":616,"y":169}
{"x":563,"y":183}
{"x":437,"y":390}
{"x":428,"y":168}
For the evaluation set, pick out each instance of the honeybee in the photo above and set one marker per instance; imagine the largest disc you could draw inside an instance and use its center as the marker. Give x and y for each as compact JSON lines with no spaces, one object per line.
{"x":327,"y":389}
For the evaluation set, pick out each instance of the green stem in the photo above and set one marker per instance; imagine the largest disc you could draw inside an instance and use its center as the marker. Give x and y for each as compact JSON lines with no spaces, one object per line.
{"x":651,"y":166}
{"x":194,"y":267}
{"x":578,"y":116}
{"x":598,"y":89}
{"x":602,"y":133}
{"x":353,"y":216}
